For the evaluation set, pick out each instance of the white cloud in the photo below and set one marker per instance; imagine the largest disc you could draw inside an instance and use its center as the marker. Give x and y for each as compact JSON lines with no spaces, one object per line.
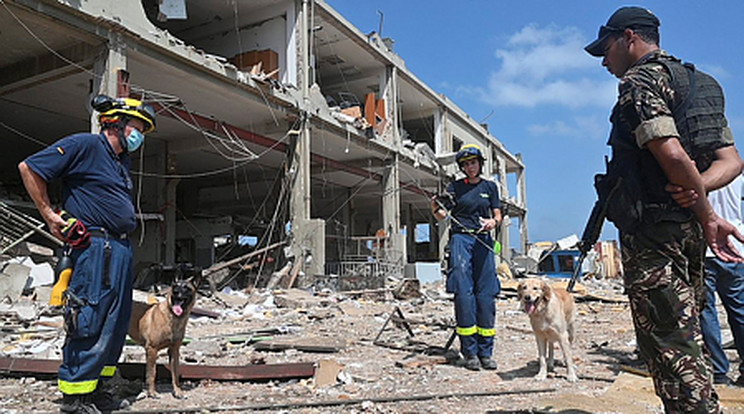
{"x":588,"y":127}
{"x":717,"y":71}
{"x":547,"y":65}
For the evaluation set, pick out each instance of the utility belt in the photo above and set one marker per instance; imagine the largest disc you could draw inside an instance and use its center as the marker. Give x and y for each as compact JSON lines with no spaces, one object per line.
{"x":103,"y":233}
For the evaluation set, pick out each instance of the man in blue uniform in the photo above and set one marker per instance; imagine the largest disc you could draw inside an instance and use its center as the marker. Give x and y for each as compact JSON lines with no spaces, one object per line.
{"x":472,"y":274}
{"x":96,"y":190}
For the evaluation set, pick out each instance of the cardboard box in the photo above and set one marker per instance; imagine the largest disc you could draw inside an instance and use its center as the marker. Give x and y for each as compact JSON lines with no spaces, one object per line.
{"x":268,"y":58}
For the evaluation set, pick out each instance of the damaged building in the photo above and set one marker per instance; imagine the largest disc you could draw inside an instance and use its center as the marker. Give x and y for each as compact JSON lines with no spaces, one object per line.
{"x":282,"y":130}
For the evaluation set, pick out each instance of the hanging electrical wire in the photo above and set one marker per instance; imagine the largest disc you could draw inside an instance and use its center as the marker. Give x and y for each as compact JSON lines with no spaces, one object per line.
{"x":46,"y":46}
{"x":22,"y":135}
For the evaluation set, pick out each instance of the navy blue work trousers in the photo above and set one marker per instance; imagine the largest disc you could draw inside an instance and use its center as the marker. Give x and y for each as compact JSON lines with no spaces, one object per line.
{"x":472,"y":278}
{"x":96,"y":314}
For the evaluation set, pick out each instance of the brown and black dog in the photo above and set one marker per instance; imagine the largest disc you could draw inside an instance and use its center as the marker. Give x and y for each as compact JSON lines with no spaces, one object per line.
{"x":163,"y":325}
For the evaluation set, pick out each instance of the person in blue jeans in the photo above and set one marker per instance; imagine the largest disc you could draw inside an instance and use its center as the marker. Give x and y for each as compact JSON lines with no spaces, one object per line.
{"x":475,"y":212}
{"x":728,"y":280}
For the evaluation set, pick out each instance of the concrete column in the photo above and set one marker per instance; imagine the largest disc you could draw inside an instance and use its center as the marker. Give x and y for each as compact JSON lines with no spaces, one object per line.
{"x":170,"y":220}
{"x":391,"y":206}
{"x":500,"y":167}
{"x":107,"y":66}
{"x":290,"y":75}
{"x":308,"y":236}
{"x":442,"y":138}
{"x":410,"y":234}
{"x":389,"y":93}
{"x":443,"y":144}
{"x":443,"y":235}
{"x":522,"y":200}
{"x":433,"y":236}
{"x":300,"y":204}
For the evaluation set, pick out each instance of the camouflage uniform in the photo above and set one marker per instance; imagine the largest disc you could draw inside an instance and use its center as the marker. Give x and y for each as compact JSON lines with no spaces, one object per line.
{"x":663,"y":275}
{"x":663,"y":258}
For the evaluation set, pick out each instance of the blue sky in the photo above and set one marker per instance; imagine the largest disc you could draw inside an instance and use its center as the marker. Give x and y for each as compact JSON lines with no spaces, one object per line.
{"x":523,"y":63}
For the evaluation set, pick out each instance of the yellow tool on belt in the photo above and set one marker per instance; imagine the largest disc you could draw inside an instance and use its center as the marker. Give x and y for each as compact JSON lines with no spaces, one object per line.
{"x":76,"y":236}
{"x":62,"y":274}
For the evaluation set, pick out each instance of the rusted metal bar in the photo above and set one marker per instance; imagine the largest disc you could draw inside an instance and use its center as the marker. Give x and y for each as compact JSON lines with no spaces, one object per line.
{"x":220,"y":266}
{"x":278,"y":346}
{"x":188,"y":372}
{"x":396,"y":316}
{"x":196,"y":311}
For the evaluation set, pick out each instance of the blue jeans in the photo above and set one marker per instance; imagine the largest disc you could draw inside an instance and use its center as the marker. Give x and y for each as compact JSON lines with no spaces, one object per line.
{"x":728,"y":280}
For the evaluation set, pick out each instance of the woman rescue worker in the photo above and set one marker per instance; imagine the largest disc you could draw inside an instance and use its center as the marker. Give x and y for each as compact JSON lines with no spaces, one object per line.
{"x":475,"y":210}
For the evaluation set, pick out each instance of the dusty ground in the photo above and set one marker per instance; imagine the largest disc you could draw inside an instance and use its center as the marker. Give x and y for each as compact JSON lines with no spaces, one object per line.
{"x":372,"y":376}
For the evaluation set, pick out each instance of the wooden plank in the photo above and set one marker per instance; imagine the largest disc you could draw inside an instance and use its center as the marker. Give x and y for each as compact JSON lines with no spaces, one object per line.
{"x":380,"y":109}
{"x":369,"y":109}
{"x":188,"y":371}
{"x":295,"y":272}
{"x":248,"y":372}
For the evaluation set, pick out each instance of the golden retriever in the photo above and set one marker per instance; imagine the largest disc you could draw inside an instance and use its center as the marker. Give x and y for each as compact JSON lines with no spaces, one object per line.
{"x":552,"y":313}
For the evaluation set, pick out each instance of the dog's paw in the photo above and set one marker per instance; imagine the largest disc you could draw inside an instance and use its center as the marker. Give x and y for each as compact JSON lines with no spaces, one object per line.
{"x":179,"y":394}
{"x":541,"y":376}
{"x":572,"y":377}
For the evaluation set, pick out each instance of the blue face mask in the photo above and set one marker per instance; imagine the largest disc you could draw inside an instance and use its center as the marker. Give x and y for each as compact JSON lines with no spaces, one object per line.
{"x":134,"y":140}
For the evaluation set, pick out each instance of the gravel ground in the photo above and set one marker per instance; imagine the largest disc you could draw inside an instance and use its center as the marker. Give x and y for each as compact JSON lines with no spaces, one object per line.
{"x":373,"y":379}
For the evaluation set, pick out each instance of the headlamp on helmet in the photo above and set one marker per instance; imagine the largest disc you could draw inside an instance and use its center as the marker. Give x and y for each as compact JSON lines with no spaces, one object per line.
{"x":114,"y":110}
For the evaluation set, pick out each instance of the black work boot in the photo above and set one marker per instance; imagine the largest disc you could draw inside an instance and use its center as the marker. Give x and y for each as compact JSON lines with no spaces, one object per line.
{"x":488,"y":363}
{"x":472,"y":363}
{"x":78,"y":404}
{"x":105,"y":401}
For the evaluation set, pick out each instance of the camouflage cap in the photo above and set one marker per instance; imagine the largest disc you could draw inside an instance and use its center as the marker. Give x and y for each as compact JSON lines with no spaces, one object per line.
{"x":623,"y":18}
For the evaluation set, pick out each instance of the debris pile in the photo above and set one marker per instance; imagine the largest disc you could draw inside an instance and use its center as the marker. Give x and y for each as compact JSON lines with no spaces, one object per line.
{"x":377,"y":350}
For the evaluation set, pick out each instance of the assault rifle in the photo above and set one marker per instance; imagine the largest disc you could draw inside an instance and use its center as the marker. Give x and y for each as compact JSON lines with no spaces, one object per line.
{"x":591,"y":231}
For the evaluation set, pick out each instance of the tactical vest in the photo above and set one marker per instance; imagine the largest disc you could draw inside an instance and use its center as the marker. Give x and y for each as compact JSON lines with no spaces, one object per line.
{"x":698,"y":110}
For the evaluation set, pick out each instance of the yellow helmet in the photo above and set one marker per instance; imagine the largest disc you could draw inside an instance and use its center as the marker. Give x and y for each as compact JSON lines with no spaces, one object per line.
{"x":112,"y":110}
{"x":469,"y":152}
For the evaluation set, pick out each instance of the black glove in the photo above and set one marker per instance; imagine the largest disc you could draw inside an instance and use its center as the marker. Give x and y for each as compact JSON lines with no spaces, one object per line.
{"x":445,"y":200}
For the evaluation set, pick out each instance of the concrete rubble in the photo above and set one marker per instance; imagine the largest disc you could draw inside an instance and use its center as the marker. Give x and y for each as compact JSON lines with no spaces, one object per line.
{"x":337,"y":332}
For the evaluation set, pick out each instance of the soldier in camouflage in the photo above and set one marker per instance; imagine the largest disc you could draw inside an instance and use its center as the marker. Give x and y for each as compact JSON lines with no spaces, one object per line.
{"x":663,"y":244}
